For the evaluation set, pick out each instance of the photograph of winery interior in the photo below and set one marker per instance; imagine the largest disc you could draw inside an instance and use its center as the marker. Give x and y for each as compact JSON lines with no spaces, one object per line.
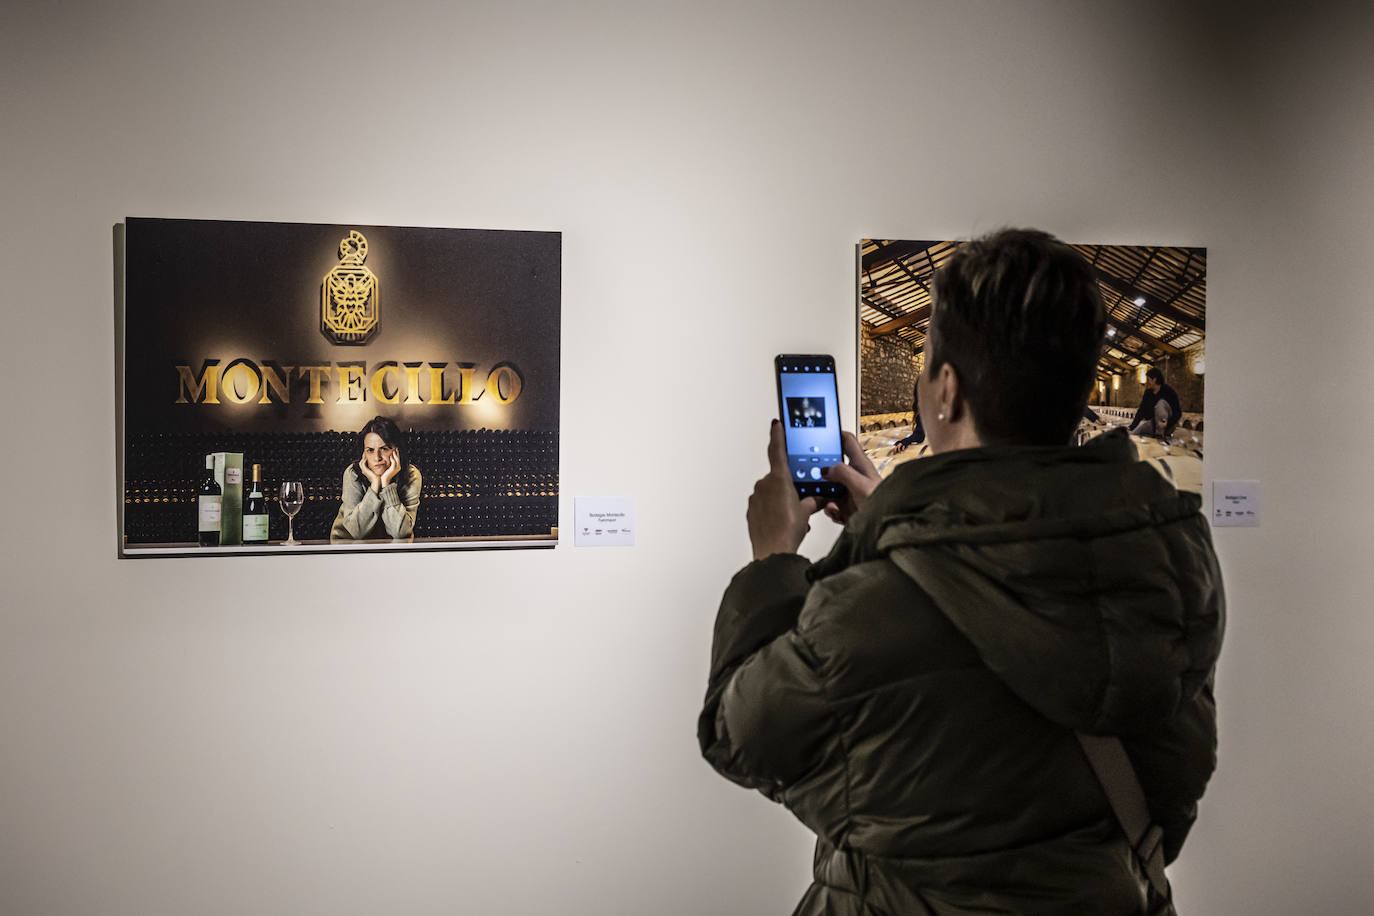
{"x":1156,"y":318}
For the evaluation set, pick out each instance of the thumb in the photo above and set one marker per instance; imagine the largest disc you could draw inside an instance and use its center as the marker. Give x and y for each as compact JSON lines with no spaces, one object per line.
{"x":777,"y":449}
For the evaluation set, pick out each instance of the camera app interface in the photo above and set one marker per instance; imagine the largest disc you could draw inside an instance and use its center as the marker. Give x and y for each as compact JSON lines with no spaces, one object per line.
{"x":810,"y":417}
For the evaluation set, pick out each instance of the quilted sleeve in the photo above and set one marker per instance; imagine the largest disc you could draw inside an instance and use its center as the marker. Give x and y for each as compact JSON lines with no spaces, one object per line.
{"x":1174,"y":762}
{"x":760,"y":723}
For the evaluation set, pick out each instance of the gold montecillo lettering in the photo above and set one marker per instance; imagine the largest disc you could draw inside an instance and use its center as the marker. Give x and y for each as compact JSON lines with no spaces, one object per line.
{"x":351,"y":384}
{"x":244,"y":381}
{"x":316,"y":373}
{"x":413,"y":383}
{"x":436,"y":385}
{"x":207,"y":384}
{"x":274,"y":382}
{"x":465,"y":371}
{"x":379,"y":384}
{"x":504,"y":372}
{"x":245,"y":372}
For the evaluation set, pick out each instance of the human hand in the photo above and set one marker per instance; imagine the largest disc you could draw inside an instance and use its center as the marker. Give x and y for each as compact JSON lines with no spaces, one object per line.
{"x":859,"y":478}
{"x":900,"y":446}
{"x":372,"y":479}
{"x":393,"y":467}
{"x":777,"y":519}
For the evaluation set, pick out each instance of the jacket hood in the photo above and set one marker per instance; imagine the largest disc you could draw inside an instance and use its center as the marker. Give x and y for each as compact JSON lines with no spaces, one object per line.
{"x":1085,"y":581}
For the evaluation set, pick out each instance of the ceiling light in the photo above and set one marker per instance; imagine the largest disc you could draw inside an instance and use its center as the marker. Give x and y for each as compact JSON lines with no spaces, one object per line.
{"x":1139,"y":300}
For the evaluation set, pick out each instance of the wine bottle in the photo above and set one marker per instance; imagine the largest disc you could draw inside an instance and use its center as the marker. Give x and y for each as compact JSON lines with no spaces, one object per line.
{"x":255,"y":512}
{"x":208,"y":505}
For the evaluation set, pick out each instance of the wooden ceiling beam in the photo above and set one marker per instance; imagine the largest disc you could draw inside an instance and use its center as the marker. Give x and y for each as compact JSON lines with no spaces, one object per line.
{"x":1152,"y":303}
{"x":880,"y":304}
{"x":894,"y":251}
{"x":1124,"y":331}
{"x":889,"y":327}
{"x":1120,"y":364}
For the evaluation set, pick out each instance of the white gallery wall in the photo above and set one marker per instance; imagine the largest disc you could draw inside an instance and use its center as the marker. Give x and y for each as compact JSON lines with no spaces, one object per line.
{"x":514,"y":732}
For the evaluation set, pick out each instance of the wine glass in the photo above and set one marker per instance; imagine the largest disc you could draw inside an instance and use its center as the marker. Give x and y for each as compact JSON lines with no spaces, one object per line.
{"x":292,"y":498}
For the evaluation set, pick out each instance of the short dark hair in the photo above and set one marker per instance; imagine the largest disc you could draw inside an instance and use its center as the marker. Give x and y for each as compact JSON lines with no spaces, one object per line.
{"x":1019,"y":316}
{"x":1155,"y":374}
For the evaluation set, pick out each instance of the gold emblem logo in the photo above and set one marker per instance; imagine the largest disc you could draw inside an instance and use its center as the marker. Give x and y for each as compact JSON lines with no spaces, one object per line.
{"x":350,"y":295}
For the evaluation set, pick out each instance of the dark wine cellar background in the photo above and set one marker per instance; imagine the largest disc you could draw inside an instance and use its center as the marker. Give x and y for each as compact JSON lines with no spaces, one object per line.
{"x":476,"y":483}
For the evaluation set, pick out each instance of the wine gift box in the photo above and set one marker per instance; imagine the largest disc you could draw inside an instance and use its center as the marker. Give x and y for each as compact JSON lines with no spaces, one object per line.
{"x":229,"y":475}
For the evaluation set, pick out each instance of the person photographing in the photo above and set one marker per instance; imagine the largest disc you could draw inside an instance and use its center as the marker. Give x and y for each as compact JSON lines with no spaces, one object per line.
{"x":920,"y":697}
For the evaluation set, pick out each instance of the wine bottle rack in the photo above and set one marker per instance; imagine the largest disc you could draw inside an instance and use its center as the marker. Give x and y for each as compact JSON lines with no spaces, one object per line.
{"x":476,"y":482}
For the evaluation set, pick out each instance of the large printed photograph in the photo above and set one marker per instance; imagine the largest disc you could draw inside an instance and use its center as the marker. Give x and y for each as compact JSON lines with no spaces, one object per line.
{"x":289,"y":387}
{"x":1149,"y":377}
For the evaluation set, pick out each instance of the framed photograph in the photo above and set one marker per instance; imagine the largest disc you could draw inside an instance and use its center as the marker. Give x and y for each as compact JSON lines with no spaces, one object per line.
{"x":290,"y":387}
{"x":1149,"y":377}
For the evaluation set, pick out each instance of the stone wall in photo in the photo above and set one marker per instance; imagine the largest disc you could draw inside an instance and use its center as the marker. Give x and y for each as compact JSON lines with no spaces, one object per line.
{"x":887,"y":375}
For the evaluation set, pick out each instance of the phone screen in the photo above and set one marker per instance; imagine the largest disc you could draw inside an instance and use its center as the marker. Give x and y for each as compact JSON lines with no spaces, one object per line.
{"x":809,"y":407}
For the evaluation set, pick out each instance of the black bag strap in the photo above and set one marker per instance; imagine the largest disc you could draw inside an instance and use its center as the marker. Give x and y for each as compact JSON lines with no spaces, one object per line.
{"x":1113,"y":768}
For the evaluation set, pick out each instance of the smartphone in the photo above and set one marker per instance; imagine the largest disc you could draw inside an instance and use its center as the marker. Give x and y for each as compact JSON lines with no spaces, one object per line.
{"x":809,"y":407}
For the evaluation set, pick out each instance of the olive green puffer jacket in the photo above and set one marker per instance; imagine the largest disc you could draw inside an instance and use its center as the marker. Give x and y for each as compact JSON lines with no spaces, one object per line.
{"x":913,"y":697}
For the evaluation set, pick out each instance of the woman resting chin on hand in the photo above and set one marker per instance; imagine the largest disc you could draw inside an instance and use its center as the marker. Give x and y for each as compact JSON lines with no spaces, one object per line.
{"x":381,"y":492}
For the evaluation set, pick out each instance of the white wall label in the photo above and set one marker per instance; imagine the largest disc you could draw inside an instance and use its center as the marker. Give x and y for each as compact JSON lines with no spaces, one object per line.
{"x":603,"y":522}
{"x":1236,"y":503}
